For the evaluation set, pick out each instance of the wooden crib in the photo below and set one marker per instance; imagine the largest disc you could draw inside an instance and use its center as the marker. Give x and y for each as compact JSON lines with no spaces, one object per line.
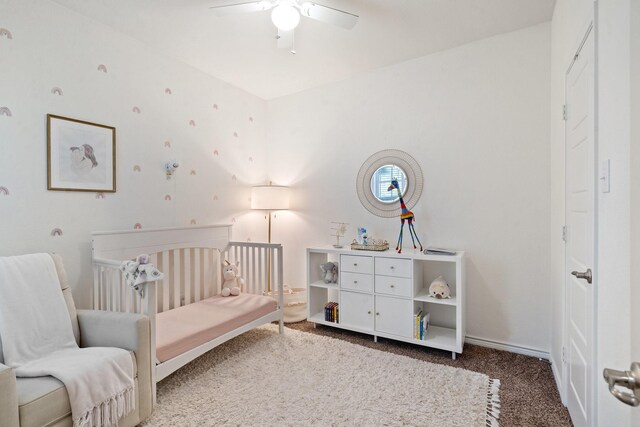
{"x":191,"y":259}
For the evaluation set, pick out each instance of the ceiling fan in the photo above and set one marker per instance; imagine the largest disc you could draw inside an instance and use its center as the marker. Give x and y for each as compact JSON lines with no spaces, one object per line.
{"x":285,"y":15}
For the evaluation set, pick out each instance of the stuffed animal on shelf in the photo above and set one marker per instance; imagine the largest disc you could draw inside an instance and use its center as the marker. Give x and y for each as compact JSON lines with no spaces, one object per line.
{"x":439,"y":289}
{"x":233,"y":283}
{"x":330,"y":272}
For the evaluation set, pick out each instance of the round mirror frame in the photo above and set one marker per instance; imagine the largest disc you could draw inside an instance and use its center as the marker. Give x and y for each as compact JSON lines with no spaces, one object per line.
{"x":414,"y":182}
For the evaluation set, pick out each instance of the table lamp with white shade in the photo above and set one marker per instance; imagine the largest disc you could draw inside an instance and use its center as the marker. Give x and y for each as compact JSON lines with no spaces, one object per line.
{"x":269,"y":198}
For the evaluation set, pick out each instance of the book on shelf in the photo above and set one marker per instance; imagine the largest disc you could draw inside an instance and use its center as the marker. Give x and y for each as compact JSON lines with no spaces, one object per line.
{"x":439,"y":251}
{"x":421,"y":324}
{"x":331,"y":312}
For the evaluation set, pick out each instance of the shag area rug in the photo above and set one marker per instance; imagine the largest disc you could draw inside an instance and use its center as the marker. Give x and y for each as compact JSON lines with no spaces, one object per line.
{"x":262,"y":378}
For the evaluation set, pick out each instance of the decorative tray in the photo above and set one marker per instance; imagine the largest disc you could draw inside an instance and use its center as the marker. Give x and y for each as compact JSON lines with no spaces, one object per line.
{"x":375,"y":245}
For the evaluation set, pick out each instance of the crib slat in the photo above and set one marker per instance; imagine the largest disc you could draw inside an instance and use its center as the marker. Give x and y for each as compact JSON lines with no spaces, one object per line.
{"x":187,"y":276}
{"x":177,"y":272}
{"x":166,"y":282}
{"x":206,"y":274}
{"x":197,"y":278}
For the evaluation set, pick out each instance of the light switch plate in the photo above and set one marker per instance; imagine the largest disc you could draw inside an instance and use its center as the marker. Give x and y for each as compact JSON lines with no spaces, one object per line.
{"x":605,"y":176}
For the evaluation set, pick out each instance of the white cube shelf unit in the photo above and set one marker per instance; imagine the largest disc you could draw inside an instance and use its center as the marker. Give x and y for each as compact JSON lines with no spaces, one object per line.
{"x":378,"y":293}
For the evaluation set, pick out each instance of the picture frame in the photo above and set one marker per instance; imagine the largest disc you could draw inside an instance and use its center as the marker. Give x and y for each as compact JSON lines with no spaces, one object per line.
{"x":81,"y":156}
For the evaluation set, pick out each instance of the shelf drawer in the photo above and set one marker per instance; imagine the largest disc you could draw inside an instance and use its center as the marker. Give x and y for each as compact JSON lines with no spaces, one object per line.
{"x":398,"y":286}
{"x":356,"y":264}
{"x":357,"y":282}
{"x":394,"y":267}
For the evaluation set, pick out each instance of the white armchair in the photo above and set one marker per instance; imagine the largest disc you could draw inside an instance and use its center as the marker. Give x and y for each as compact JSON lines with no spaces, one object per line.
{"x":43,"y":401}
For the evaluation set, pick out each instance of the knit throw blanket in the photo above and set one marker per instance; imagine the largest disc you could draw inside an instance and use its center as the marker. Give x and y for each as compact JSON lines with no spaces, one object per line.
{"x":37,"y":340}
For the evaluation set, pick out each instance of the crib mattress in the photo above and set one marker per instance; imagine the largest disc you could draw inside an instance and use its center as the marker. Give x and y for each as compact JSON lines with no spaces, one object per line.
{"x":182,"y":329}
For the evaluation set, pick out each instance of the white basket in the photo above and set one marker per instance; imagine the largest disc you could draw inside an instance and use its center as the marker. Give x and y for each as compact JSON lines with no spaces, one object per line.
{"x":295,"y":304}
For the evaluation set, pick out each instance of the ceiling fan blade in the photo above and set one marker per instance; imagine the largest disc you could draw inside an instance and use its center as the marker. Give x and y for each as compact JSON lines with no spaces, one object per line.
{"x":248,"y":7}
{"x":285,"y":39}
{"x":329,"y":15}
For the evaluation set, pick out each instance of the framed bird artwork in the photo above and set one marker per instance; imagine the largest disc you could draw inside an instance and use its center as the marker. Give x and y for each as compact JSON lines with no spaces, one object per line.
{"x":81,"y":156}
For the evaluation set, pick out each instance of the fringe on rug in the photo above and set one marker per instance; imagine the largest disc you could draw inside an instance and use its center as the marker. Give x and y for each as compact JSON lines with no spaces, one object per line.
{"x":493,"y":403}
{"x":108,"y":412}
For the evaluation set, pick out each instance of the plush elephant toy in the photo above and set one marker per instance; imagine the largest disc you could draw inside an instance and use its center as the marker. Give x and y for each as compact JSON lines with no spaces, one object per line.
{"x":330,"y":272}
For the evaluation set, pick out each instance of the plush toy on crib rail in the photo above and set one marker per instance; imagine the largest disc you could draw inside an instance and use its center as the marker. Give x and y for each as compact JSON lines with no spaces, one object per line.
{"x":233,"y":283}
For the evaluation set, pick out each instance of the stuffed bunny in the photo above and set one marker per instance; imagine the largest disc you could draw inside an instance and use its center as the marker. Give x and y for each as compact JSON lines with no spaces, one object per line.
{"x":233,"y":283}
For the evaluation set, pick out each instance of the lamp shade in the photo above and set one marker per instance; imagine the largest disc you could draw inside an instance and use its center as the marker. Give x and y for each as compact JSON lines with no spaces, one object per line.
{"x":270,"y":197}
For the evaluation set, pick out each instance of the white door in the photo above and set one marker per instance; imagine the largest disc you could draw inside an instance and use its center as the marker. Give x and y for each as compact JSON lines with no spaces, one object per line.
{"x":394,"y":316}
{"x":580,"y":222}
{"x":356,"y":310}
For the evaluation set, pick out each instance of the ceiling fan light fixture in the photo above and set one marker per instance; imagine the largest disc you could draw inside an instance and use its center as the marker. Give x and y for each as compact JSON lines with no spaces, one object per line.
{"x":285,"y":17}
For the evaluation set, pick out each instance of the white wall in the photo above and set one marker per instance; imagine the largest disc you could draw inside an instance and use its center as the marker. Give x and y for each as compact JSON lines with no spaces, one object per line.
{"x":477,"y":120}
{"x":571,"y":19}
{"x":635,"y":188}
{"x":614,"y":208}
{"x":53,"y":47}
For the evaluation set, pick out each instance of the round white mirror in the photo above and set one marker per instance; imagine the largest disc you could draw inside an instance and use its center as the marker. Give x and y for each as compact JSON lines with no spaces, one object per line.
{"x":374,"y":180}
{"x":381,"y":183}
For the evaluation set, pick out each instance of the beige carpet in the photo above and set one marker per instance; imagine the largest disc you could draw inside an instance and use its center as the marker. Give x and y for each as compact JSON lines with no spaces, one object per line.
{"x":298,"y":379}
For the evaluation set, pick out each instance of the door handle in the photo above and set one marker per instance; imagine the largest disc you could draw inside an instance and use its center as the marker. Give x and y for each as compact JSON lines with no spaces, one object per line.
{"x":627,"y":379}
{"x":586,"y":275}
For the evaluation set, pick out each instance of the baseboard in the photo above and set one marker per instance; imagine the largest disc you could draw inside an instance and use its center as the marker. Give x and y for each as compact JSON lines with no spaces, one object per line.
{"x":508,"y":347}
{"x":556,"y":376}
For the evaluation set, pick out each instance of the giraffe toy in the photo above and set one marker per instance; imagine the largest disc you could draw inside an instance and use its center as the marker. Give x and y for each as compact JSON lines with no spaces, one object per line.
{"x":405,"y":215}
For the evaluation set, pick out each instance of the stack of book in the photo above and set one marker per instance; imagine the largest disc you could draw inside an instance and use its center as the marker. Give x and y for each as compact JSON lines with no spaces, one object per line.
{"x":331,"y":312}
{"x":421,"y":325}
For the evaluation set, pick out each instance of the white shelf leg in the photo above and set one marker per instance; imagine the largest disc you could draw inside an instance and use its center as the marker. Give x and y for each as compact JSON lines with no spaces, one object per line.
{"x":315,"y":325}
{"x":453,"y":355}
{"x":375,"y":338}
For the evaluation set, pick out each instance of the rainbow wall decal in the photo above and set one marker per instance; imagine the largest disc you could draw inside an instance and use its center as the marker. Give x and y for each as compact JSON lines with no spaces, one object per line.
{"x":56,"y":232}
{"x":235,"y":134}
{"x":4,"y":111}
{"x":215,"y":197}
{"x":100,"y":196}
{"x":234,"y":178}
{"x":215,"y":106}
{"x":193,"y":222}
{"x":136,"y":168}
{"x":251,"y":119}
{"x":137,"y":226}
{"x":167,"y":144}
{"x":167,"y":197}
{"x":102,"y":68}
{"x":4,"y":190}
{"x":233,"y":220}
{"x":215,"y":152}
{"x":251,"y":159}
{"x":136,"y":110}
{"x":193,"y":171}
{"x":168,"y":91}
{"x":6,"y":33}
{"x":57,"y":91}
{"x":192,"y":123}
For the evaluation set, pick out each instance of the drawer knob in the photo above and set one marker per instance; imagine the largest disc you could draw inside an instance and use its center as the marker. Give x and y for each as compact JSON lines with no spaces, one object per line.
{"x":393,"y":286}
{"x":355,"y":264}
{"x":355,"y":282}
{"x":369,"y":312}
{"x":392,"y":267}
{"x":377,"y":313}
